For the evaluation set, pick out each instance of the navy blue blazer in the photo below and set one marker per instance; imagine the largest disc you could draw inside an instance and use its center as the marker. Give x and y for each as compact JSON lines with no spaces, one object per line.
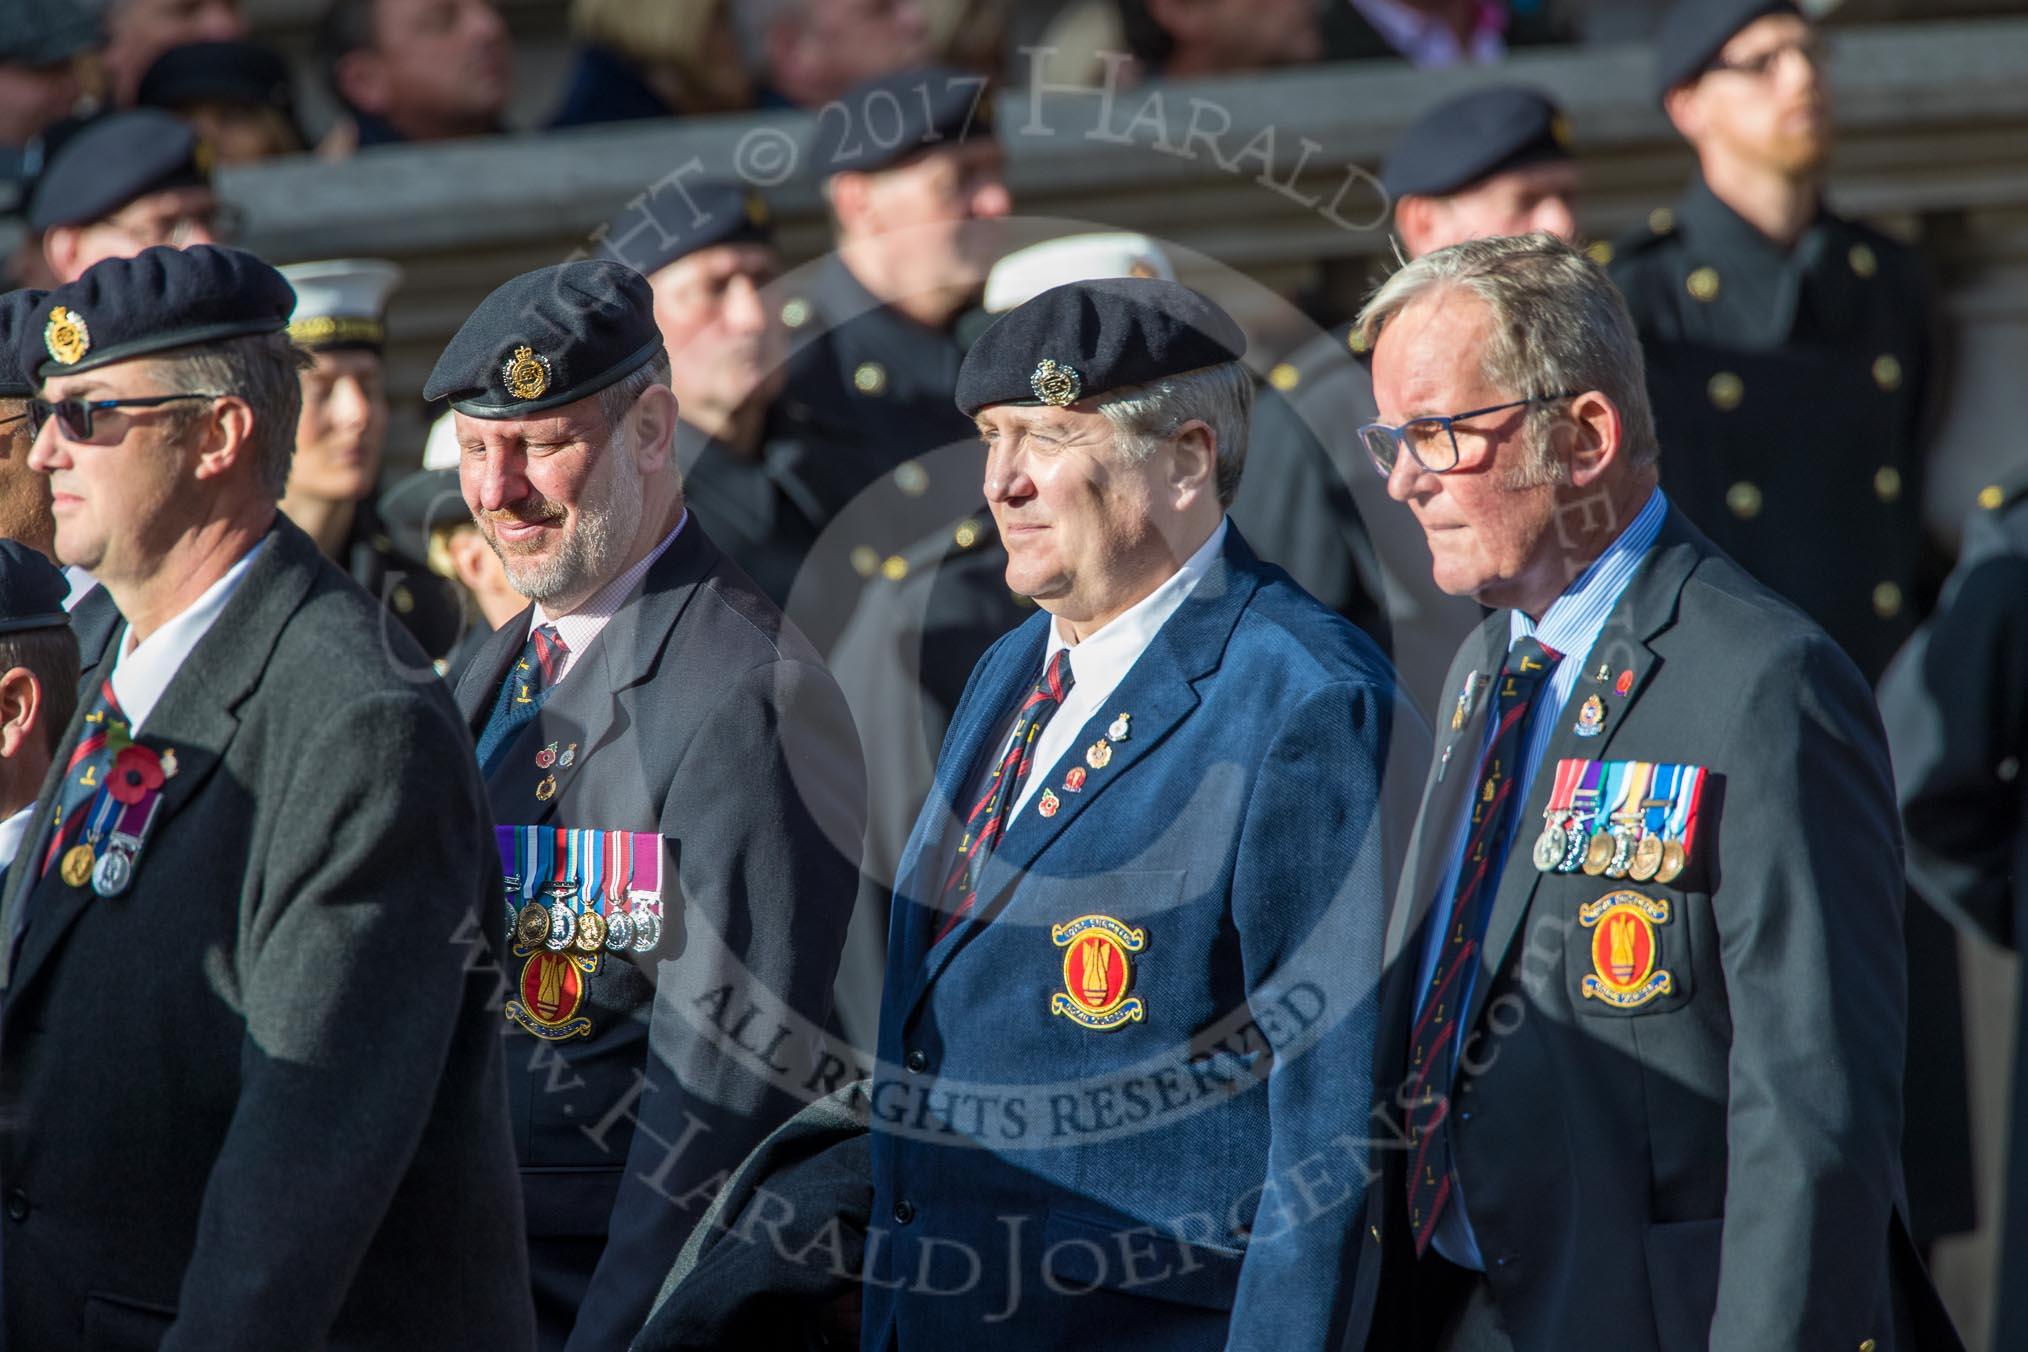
{"x":1166,"y":1144}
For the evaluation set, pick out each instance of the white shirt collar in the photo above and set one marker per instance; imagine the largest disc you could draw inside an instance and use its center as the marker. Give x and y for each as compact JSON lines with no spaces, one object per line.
{"x":588,"y":621}
{"x":81,"y":584}
{"x":11,"y":832}
{"x":142,"y":672}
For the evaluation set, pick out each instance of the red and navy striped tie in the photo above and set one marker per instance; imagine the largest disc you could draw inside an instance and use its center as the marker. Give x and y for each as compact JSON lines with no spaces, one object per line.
{"x":987,"y":821}
{"x":89,"y":761}
{"x":1433,"y":1044}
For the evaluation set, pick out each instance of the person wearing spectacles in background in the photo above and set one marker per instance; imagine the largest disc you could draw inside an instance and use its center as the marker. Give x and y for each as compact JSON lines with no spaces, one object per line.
{"x":125,"y":183}
{"x":1792,"y":358}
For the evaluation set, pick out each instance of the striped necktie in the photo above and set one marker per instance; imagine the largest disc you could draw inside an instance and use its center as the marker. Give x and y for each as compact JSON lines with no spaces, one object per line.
{"x":987,"y":821}
{"x":84,"y":773}
{"x":528,"y":685}
{"x":1433,"y":1044}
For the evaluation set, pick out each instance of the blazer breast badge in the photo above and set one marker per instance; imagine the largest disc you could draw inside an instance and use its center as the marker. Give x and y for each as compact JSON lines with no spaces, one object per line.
{"x":1098,"y":971}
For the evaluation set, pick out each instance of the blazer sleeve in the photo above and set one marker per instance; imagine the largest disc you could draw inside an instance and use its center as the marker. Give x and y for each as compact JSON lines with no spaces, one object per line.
{"x":763,"y":823}
{"x":1955,"y":702}
{"x":1310,"y":901}
{"x":355,"y":974}
{"x":1808,"y":910}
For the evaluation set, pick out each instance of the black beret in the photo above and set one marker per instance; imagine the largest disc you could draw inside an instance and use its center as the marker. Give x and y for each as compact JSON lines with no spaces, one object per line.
{"x":38,"y":33}
{"x":247,"y":73}
{"x":114,"y":160}
{"x":159,"y":299}
{"x":885,"y":121}
{"x":1695,"y":31}
{"x":676,"y":221}
{"x":420,"y":503}
{"x":1085,"y":338}
{"x":17,"y":375}
{"x":548,"y":338}
{"x":32,"y":590}
{"x":1472,"y":137}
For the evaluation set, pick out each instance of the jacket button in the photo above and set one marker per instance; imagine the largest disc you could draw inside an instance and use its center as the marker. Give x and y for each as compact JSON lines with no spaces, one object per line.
{"x":904,"y":1211}
{"x":918,"y":1061}
{"x":17,"y":1205}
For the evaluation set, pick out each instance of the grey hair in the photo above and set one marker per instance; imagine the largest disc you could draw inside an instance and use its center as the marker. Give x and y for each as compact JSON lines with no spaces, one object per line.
{"x":1559,"y":324}
{"x":1144,"y":416}
{"x":260,"y":369}
{"x":617,"y":398}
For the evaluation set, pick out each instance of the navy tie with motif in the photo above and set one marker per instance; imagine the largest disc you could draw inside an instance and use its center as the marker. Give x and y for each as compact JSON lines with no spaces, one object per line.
{"x":1433,"y":1043}
{"x":89,"y":761}
{"x":529,"y":681}
{"x":987,"y":821}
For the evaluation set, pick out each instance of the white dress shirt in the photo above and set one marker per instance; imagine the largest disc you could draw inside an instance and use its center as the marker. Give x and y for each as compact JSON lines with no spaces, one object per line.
{"x":12,"y":830}
{"x":588,"y":621}
{"x":143,"y":671}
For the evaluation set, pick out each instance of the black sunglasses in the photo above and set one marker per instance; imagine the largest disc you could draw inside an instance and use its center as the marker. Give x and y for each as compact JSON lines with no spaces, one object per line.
{"x":75,"y":415}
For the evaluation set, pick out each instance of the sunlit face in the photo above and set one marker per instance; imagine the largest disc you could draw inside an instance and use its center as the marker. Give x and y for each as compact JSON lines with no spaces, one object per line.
{"x":176,"y":217}
{"x":1519,"y":202}
{"x":1765,"y":102}
{"x":557,"y":495}
{"x":944,"y":212}
{"x":1487,"y":538}
{"x":724,"y":346}
{"x":24,"y":494}
{"x":343,"y":427}
{"x":1080,"y":524}
{"x":121,"y":497}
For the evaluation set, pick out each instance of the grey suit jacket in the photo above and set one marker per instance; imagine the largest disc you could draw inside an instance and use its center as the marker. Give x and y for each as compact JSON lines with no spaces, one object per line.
{"x":1718,"y":1167}
{"x":256,"y":1101}
{"x":701,"y":713}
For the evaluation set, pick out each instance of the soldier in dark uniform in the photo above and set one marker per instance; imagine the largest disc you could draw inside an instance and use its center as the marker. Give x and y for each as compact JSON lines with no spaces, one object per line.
{"x":1791,"y":361}
{"x":708,"y":252}
{"x":339,"y":321}
{"x":1955,"y":701}
{"x":117,"y":185}
{"x":1492,"y":162}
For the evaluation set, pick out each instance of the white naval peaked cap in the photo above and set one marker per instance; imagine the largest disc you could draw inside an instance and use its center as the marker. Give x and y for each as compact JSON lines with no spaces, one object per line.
{"x":341,"y":302}
{"x":440,"y":448}
{"x":1026,"y":273}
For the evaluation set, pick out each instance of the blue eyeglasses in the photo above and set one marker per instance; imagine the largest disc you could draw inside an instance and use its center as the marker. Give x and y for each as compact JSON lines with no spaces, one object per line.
{"x":1431,"y":442}
{"x":74,"y":416}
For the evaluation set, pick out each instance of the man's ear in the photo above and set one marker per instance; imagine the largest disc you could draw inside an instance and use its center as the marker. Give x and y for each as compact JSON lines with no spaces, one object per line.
{"x":1592,"y":438}
{"x":228,"y":436}
{"x":1415,"y":222}
{"x":851,"y":201}
{"x":60,"y":247}
{"x":20,"y":710}
{"x":653,"y":419}
{"x":1193,"y":463}
{"x":361,"y":79}
{"x":1685,"y":110}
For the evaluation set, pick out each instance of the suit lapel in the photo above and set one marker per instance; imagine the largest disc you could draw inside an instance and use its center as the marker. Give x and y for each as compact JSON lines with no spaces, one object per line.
{"x":480,"y":684}
{"x":1645,"y":608}
{"x":195,"y":718}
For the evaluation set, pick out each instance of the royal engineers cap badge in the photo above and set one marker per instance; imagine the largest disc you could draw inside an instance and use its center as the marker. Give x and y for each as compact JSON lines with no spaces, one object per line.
{"x":526,"y":373}
{"x":1098,"y":971}
{"x":1056,"y":384}
{"x":66,"y":336}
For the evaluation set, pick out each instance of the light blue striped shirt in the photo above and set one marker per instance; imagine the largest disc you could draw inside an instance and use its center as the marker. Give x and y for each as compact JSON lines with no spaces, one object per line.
{"x":1570,"y":626}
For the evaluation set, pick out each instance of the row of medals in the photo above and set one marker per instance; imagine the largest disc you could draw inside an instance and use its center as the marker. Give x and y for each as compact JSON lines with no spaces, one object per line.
{"x":1611,"y":852}
{"x":560,"y":928}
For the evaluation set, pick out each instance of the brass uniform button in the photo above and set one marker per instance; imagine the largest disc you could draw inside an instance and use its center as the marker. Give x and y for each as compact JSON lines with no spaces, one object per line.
{"x":796,"y":313}
{"x":382,"y":543}
{"x":1887,"y":483}
{"x":1661,"y":220}
{"x":1744,"y":501}
{"x":1599,"y":251}
{"x":967,"y":534}
{"x":1726,"y":390}
{"x":870,"y":377}
{"x":1356,"y":341}
{"x":1887,"y":372}
{"x":865,"y":560}
{"x":1867,"y":1346}
{"x":404,"y":599}
{"x":911,"y":478}
{"x":1991,"y":496}
{"x":1887,"y":600}
{"x":1863,"y":260}
{"x":895,"y":568}
{"x":1702,"y":284}
{"x":1284,"y":377}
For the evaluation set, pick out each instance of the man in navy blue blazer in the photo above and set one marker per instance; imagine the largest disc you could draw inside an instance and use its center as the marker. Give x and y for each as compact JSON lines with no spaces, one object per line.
{"x":1128,"y":1026}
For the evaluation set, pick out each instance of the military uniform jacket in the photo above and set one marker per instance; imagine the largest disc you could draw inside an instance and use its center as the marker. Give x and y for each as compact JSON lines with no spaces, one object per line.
{"x":1793,"y":392}
{"x":1036,"y":1132}
{"x":761,"y":514}
{"x":425,"y":605}
{"x":1717,"y":1166}
{"x":700,"y":714}
{"x":255,"y":1102}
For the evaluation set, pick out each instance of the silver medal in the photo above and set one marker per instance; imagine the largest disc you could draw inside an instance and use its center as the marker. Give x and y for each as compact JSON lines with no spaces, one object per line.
{"x":647,"y":932}
{"x":114,"y":872}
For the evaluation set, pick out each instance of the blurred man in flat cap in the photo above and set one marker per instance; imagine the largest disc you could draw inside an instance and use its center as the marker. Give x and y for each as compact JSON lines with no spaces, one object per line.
{"x":252,"y":1085}
{"x":122,"y":184}
{"x":1495,"y":161}
{"x":138,"y":31}
{"x":1131,"y":980}
{"x":38,"y":685}
{"x":1792,"y":355}
{"x":708,"y":252}
{"x":341,"y":321}
{"x":238,"y":96}
{"x":680,"y":794}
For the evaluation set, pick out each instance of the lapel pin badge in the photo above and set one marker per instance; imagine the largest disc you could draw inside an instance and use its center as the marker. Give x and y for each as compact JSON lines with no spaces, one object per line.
{"x":1099,"y":755}
{"x":1048,"y":804}
{"x":1117,"y":730}
{"x":1624,"y":683}
{"x":1074,"y":781}
{"x":546,"y":757}
{"x":546,"y":790}
{"x":1591,"y":718}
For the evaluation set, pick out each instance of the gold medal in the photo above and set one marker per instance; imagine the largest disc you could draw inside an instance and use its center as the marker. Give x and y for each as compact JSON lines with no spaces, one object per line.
{"x":1647,"y":858}
{"x":1674,"y":859}
{"x":591,"y":932}
{"x":1598,"y":853}
{"x":531,"y":926}
{"x":77,"y":865}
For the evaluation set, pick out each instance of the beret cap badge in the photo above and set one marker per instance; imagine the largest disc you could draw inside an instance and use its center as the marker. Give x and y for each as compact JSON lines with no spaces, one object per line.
{"x":66,"y":336}
{"x":1056,"y":384}
{"x":526,"y":373}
